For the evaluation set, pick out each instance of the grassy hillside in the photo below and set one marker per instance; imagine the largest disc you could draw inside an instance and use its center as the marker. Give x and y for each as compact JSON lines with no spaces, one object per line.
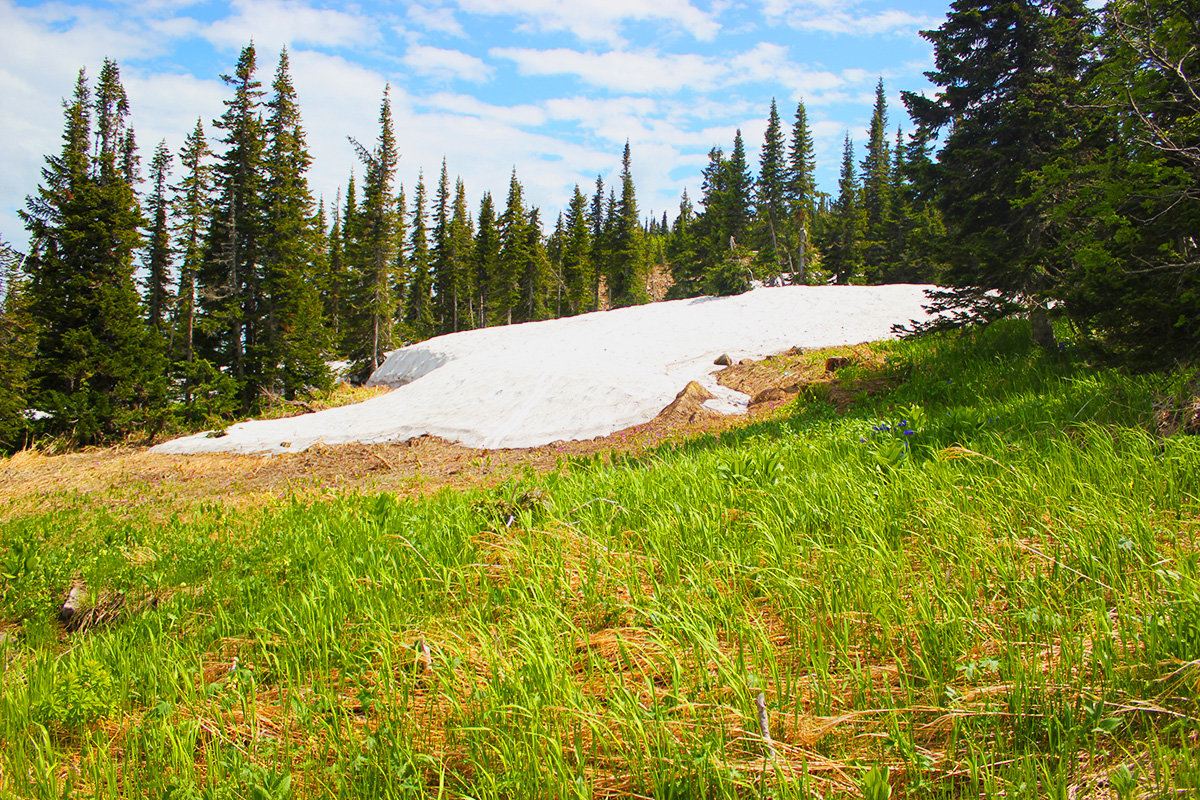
{"x":982,"y":582}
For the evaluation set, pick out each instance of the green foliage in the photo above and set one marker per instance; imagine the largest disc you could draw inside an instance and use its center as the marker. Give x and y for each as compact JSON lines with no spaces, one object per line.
{"x":77,"y":691}
{"x":1011,"y":603}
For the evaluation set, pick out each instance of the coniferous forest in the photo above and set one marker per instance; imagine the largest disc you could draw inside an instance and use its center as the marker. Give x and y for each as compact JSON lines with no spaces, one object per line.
{"x":1054,"y":172}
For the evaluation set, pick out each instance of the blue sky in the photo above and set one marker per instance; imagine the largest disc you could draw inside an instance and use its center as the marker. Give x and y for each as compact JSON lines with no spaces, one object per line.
{"x":550,"y":87}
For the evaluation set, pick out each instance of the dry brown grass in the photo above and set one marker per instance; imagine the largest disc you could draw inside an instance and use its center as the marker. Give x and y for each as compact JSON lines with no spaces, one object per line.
{"x":128,"y":477}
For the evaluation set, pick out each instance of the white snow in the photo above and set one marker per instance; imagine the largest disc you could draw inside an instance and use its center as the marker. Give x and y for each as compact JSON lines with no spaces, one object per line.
{"x":580,"y":377}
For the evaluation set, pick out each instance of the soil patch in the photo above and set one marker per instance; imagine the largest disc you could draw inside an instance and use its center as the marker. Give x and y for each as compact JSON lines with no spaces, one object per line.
{"x":132,"y":478}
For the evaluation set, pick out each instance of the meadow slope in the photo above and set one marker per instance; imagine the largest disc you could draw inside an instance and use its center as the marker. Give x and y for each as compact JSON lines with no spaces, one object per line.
{"x":968,"y":569}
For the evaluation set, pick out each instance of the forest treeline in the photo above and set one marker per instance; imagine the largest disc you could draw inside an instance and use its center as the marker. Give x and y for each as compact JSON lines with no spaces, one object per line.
{"x":1054,"y":172}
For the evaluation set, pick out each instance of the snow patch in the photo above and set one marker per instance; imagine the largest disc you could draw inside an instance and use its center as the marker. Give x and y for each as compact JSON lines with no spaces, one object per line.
{"x":579,"y":377}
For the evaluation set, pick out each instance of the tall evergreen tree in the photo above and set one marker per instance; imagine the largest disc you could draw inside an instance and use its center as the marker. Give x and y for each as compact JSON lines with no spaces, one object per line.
{"x":418,"y":310}
{"x":376,"y":223}
{"x":687,"y":272}
{"x":229,"y":281}
{"x":627,"y":269}
{"x":737,"y":203}
{"x":535,"y":274}
{"x":843,"y":248}
{"x":95,"y":372}
{"x":601,"y":246}
{"x":291,"y":347}
{"x":577,"y":270}
{"x":514,"y":252}
{"x":772,"y":189}
{"x":158,"y":253}
{"x":192,"y":211}
{"x":486,"y":260}
{"x":441,"y":265}
{"x":458,"y":260}
{"x":1008,"y":73}
{"x":801,"y":193}
{"x":18,"y":348}
{"x":876,"y":196}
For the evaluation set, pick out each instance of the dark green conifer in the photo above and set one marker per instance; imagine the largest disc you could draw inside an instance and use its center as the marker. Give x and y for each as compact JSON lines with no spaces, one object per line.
{"x":627,"y":267}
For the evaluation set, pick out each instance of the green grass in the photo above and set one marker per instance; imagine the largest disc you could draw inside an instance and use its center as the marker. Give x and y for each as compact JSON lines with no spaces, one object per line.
{"x":1004,"y":602}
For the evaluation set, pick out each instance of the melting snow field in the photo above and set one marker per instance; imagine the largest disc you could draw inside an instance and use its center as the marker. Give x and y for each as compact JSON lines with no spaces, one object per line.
{"x":580,"y":377}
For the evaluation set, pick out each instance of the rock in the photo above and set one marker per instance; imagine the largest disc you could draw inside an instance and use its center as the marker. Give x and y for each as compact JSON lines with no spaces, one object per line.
{"x":723,"y":360}
{"x":74,"y":603}
{"x":745,"y":362}
{"x":688,"y":405}
{"x":769,"y":396}
{"x":834,"y":363}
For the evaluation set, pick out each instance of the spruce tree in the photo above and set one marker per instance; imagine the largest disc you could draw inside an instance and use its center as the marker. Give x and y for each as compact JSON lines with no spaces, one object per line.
{"x":601,"y":247}
{"x":192,"y":211}
{"x":485,"y":260}
{"x":772,"y":187}
{"x":687,"y":273}
{"x":514,"y":252}
{"x":801,"y":194}
{"x":843,"y":247}
{"x":158,"y":253}
{"x":577,"y":270}
{"x":627,"y":268}
{"x":418,"y":310}
{"x":229,"y":281}
{"x":458,"y":260}
{"x":96,"y":372}
{"x":535,"y":274}
{"x":292,"y":343}
{"x":441,"y":266}
{"x":18,"y":348}
{"x":876,"y":176}
{"x":1126,"y":186}
{"x":1008,"y":73}
{"x":376,"y":246}
{"x":737,"y":203}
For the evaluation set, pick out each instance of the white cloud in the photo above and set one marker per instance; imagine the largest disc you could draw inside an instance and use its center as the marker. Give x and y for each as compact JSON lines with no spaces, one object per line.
{"x":845,"y":17}
{"x":599,"y":20}
{"x":271,"y":24}
{"x":435,"y":20}
{"x":620,"y":70}
{"x":441,"y":64}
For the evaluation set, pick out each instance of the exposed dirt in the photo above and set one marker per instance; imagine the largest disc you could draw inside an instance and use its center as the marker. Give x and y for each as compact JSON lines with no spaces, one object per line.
{"x":127,"y":478}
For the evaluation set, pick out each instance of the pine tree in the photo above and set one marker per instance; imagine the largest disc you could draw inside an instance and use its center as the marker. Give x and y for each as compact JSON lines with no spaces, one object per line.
{"x":96,"y":372}
{"x":577,"y":271}
{"x":158,"y":253}
{"x":687,"y":272}
{"x":514,"y":252}
{"x":376,"y":223}
{"x":18,"y":348}
{"x":772,"y":188}
{"x":441,"y":265}
{"x":737,"y":204}
{"x":292,"y":343}
{"x":458,"y":259}
{"x":1125,"y":186}
{"x":229,"y":282}
{"x":418,"y":310}
{"x":843,"y":248}
{"x":1008,"y":74}
{"x":627,"y":268}
{"x":486,"y":260}
{"x":801,"y":194}
{"x":601,"y":247}
{"x":337,"y":280}
{"x":192,"y":210}
{"x":876,"y":176}
{"x":535,"y":274}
